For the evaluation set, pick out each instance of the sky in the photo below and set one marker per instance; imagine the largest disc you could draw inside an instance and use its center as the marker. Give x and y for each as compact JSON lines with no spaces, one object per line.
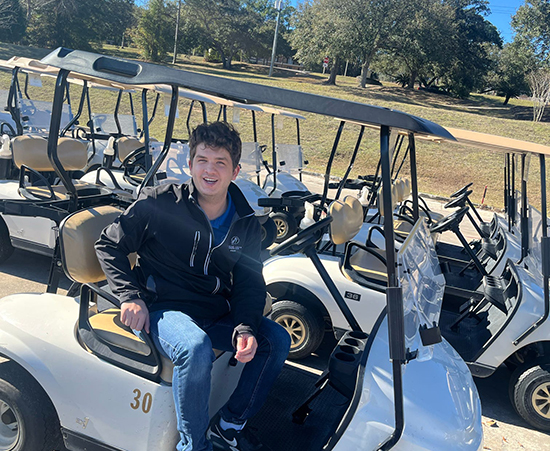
{"x":501,"y":16}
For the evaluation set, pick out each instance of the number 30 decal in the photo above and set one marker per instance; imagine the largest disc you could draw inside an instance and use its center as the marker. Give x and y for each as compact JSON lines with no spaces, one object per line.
{"x":144,"y":403}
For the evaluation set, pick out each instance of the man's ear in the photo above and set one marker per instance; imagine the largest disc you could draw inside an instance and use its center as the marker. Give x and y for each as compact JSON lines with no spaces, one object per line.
{"x":236,"y":171}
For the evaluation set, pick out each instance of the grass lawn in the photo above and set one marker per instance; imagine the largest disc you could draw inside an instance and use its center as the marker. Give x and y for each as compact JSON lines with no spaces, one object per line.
{"x":443,"y":168}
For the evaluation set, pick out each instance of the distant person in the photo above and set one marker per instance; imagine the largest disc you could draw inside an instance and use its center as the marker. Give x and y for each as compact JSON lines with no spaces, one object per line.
{"x":198,"y":284}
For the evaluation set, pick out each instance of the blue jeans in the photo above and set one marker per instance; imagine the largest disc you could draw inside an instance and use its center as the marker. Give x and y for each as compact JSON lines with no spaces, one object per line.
{"x":188,"y":344}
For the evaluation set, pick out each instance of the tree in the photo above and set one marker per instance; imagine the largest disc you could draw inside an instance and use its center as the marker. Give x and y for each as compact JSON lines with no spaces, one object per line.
{"x":471,"y":48}
{"x":12,"y":21}
{"x":539,"y":82}
{"x":421,"y":45}
{"x":76,"y":24}
{"x":320,"y":31}
{"x":512,"y":65}
{"x":532,"y":25}
{"x":155,"y":28}
{"x":227,"y":25}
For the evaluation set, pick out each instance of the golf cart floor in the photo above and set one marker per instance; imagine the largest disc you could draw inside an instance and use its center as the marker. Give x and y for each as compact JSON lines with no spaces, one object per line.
{"x":273,"y":424}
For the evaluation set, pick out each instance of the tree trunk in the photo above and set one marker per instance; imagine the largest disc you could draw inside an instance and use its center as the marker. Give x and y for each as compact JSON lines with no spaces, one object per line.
{"x":506,"y":99}
{"x":412,"y":79}
{"x":333,"y":72}
{"x":365,"y":71}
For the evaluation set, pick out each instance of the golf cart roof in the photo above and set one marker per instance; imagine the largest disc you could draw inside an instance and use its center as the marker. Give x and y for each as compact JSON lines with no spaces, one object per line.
{"x":497,"y":143}
{"x":140,"y":73}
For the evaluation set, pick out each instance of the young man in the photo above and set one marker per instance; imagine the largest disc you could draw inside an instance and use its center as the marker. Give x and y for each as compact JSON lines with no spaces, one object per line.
{"x":198,"y":284}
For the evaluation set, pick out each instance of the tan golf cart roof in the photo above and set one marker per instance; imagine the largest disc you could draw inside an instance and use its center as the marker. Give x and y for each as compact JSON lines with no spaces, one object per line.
{"x":497,"y":143}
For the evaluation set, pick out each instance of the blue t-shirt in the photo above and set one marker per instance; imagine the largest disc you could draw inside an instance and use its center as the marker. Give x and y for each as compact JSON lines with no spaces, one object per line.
{"x":221,"y":224}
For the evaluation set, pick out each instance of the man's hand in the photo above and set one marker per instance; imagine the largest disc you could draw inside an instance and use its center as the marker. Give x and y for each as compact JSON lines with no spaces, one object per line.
{"x":246,"y":347}
{"x":135,"y":315}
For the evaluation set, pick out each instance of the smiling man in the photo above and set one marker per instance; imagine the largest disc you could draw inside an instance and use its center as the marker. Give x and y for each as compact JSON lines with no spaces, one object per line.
{"x":198,"y":284}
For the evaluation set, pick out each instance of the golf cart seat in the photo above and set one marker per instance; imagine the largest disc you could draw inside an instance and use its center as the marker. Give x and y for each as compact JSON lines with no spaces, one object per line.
{"x":360,"y":262}
{"x":30,"y":154}
{"x":102,"y":332}
{"x":32,"y":151}
{"x":126,"y":145}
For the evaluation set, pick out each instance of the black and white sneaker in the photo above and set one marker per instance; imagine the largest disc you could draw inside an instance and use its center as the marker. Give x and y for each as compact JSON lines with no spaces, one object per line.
{"x":233,"y":440}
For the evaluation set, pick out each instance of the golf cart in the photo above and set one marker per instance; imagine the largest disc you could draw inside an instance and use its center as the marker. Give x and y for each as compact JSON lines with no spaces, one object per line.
{"x":72,"y":369}
{"x":501,"y":319}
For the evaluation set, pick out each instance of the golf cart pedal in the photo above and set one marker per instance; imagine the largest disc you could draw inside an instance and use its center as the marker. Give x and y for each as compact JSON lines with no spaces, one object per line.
{"x":300,"y":415}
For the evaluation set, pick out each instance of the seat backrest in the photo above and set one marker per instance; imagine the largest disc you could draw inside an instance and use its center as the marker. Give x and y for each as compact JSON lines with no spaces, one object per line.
{"x":347,"y":219}
{"x":126,"y":145}
{"x":32,"y":151}
{"x":78,"y":234}
{"x":394,"y":198}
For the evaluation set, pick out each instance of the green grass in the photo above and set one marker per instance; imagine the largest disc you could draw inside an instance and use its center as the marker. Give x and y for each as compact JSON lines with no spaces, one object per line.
{"x":443,"y":168}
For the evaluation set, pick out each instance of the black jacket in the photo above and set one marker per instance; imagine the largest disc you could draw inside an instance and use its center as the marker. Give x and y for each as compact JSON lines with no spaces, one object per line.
{"x":178,"y":266}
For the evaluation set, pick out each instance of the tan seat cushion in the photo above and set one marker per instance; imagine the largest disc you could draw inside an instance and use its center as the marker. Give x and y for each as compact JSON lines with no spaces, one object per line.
{"x":126,"y":145}
{"x":32,"y":151}
{"x":108,"y":326}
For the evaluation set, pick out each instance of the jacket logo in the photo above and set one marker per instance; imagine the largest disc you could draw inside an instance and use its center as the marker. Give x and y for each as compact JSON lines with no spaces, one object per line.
{"x":234,"y":245}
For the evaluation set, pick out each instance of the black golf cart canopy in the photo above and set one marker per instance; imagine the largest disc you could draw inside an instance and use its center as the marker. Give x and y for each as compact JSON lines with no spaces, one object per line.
{"x":140,"y":73}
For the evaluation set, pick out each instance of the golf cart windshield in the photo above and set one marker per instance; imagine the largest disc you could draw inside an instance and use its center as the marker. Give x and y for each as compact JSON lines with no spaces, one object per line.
{"x":290,"y":157}
{"x":423,"y":285}
{"x":36,"y":115}
{"x":106,"y":124}
{"x":176,"y":163}
{"x":535,"y":239}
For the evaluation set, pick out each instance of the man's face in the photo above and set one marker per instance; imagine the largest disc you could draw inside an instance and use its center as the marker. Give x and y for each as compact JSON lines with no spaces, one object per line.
{"x":212,"y":172}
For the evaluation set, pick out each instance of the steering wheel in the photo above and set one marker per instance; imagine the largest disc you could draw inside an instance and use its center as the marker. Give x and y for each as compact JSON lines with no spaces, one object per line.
{"x":449,"y":222}
{"x":135,"y":158}
{"x":300,"y":239}
{"x":7,"y":129}
{"x":461,"y":190}
{"x":459,"y":201}
{"x":79,"y":133}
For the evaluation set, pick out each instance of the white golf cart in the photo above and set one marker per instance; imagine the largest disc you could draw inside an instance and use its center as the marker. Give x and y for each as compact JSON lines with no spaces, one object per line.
{"x":501,"y":318}
{"x":72,"y":371}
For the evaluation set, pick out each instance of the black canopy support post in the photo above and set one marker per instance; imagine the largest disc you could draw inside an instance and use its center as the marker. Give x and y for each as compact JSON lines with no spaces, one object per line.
{"x":188,"y":120}
{"x":414,"y":178}
{"x":332,"y":288}
{"x":130,"y":98}
{"x":204,"y":113}
{"x":351,"y":163}
{"x":225,"y":113}
{"x":254,"y":126}
{"x":396,"y":152}
{"x":13,"y":104}
{"x":545,"y":254}
{"x":115,"y":114}
{"x":524,"y":225}
{"x":153,"y":114}
{"x":67,"y":94}
{"x":505,"y":173}
{"x":513,"y":190}
{"x":273,"y":155}
{"x":55,"y":123}
{"x":146,"y":138}
{"x":299,"y":142}
{"x":76,"y":117}
{"x":396,"y":326}
{"x":148,"y":180}
{"x":26,"y":87}
{"x":90,"y":119}
{"x":329,"y":168}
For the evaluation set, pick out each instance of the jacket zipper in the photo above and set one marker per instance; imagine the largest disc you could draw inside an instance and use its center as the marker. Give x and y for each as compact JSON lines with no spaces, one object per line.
{"x":195,"y":246}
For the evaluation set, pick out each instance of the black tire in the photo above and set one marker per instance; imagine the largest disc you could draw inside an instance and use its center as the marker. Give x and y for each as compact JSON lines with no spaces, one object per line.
{"x":6,"y":248}
{"x":530,"y":394}
{"x":305,"y":327}
{"x":269,"y":233}
{"x":286,"y":225}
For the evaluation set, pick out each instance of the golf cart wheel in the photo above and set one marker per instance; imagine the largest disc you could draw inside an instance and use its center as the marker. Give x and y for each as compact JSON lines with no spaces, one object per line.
{"x":530,"y":394}
{"x":305,"y":327}
{"x":269,"y":233}
{"x":286,"y":225}
{"x":6,"y":248}
{"x":27,"y":417}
